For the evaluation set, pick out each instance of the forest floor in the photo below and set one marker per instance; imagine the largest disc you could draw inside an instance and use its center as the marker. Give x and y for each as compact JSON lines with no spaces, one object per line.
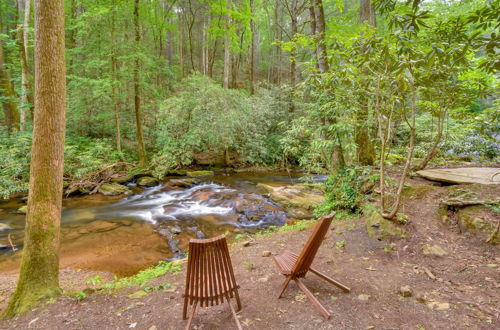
{"x":459,"y":290}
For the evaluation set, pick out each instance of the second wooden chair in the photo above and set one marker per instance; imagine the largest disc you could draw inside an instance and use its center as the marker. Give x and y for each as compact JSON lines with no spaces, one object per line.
{"x":294,"y":267}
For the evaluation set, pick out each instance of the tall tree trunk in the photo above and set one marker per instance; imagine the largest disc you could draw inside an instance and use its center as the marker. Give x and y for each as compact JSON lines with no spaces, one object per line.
{"x":312,"y":15}
{"x":39,"y":274}
{"x":181,"y":45}
{"x":114,"y":88}
{"x":365,"y":149}
{"x":252,"y":48}
{"x":278,"y":36}
{"x":26,"y":96}
{"x":337,"y":159}
{"x":293,"y":56}
{"x":9,"y":104}
{"x":367,"y":12}
{"x":227,"y":45}
{"x":141,"y":152}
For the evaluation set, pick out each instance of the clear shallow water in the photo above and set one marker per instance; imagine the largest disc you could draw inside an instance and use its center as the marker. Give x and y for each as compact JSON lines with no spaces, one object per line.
{"x":224,"y":203}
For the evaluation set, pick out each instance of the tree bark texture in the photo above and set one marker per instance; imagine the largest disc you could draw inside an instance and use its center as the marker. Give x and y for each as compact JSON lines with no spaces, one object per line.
{"x":141,"y":151}
{"x":39,"y":275}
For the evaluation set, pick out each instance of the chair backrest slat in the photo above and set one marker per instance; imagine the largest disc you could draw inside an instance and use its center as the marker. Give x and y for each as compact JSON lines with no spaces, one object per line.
{"x":210,"y":277}
{"x":311,"y":247}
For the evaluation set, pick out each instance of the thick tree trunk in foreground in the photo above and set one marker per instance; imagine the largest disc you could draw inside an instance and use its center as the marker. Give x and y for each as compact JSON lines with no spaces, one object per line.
{"x":137,"y":93}
{"x":39,"y":276}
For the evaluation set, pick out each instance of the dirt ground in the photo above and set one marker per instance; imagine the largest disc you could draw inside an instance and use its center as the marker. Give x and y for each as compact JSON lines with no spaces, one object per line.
{"x":459,"y":290}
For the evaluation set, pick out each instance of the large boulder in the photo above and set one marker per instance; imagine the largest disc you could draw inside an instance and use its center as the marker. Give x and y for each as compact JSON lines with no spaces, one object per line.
{"x":183,"y":183}
{"x":147,"y":181}
{"x":299,"y":199}
{"x":380,"y":228}
{"x":123,"y":178}
{"x":113,"y":189}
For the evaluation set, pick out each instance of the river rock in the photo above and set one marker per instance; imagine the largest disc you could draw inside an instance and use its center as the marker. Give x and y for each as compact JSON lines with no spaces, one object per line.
{"x":380,"y":228}
{"x":123,"y":178}
{"x":99,"y":226}
{"x":113,"y":189}
{"x":298,"y":199}
{"x":433,"y":250}
{"x":23,"y":209}
{"x":176,"y":230}
{"x":266,"y":253}
{"x":199,"y":174}
{"x":3,"y":227}
{"x":183,"y":183}
{"x":147,"y":181}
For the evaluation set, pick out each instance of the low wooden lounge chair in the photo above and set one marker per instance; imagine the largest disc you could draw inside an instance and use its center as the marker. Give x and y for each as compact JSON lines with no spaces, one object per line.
{"x":210,"y":277}
{"x":294,"y":267}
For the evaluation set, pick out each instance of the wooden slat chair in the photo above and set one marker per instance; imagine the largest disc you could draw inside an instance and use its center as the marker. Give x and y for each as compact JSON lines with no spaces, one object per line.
{"x":294,"y":267}
{"x":210,"y":276}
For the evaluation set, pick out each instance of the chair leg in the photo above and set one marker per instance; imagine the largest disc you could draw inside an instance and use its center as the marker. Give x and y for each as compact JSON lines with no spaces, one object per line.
{"x":284,"y":286}
{"x":313,"y":299}
{"x":234,"y":314}
{"x":192,"y":315}
{"x":238,"y":302}
{"x":331,"y":280}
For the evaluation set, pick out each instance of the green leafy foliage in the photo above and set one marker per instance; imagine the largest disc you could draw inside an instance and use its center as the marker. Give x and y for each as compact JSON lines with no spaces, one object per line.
{"x":203,"y":116}
{"x":82,"y":155}
{"x":342,"y":192}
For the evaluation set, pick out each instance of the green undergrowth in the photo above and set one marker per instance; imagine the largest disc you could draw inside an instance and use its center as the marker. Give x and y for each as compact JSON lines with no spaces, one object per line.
{"x":141,"y":279}
{"x":144,"y":276}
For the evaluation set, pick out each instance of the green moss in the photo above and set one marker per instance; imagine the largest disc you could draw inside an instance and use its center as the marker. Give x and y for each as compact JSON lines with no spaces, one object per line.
{"x":380,"y":228}
{"x":417,"y":191}
{"x":199,"y":174}
{"x":144,"y":276}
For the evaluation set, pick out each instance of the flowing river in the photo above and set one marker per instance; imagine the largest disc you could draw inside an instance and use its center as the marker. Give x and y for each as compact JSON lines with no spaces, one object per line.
{"x":125,"y":234}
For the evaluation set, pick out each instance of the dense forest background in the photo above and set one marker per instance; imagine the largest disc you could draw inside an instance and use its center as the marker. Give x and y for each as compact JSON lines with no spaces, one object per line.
{"x":323,"y":85}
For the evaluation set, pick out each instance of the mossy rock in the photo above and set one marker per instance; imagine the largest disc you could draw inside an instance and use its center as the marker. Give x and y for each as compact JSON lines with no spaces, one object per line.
{"x":380,"y":228}
{"x":147,"y":181}
{"x":199,"y":174}
{"x":417,"y":191}
{"x":123,"y":178}
{"x":477,"y":220}
{"x":113,"y":189}
{"x":299,"y":199}
{"x":183,"y":183}
{"x":23,"y":209}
